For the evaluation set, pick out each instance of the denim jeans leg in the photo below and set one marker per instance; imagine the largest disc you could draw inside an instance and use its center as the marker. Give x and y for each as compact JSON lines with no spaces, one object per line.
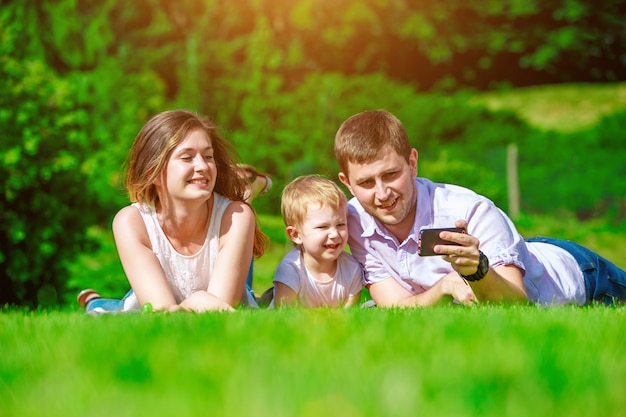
{"x":250,"y":274}
{"x":106,"y":305}
{"x":604,"y":281}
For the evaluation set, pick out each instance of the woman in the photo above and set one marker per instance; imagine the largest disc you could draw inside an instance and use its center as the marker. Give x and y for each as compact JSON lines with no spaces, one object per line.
{"x":186,"y":240}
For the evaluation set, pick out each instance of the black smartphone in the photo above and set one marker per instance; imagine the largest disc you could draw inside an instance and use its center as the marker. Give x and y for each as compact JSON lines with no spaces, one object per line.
{"x":430,"y":237}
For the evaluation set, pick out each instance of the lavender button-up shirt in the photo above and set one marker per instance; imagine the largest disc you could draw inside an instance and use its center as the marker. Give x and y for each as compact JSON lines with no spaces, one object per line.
{"x":440,"y":205}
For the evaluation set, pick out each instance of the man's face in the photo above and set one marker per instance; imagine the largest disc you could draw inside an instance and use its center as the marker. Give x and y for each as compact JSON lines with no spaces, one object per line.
{"x":385,"y":188}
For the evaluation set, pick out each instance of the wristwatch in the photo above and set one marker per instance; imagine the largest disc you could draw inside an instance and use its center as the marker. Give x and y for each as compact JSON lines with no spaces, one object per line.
{"x":483,"y":268}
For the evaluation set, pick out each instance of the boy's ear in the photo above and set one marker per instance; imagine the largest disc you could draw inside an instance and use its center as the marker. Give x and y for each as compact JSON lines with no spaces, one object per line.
{"x":292,"y":233}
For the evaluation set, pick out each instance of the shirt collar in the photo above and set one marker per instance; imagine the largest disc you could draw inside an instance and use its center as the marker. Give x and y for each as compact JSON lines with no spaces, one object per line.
{"x":424,"y":214}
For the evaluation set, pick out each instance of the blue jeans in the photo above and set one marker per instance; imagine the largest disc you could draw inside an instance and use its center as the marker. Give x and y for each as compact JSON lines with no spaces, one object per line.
{"x":604,"y":281}
{"x":106,"y":305}
{"x":250,"y":275}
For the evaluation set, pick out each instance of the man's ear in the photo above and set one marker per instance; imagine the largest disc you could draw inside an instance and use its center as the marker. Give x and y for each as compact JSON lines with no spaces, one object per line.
{"x":413,"y":161}
{"x":344,"y":180}
{"x":293,"y":234}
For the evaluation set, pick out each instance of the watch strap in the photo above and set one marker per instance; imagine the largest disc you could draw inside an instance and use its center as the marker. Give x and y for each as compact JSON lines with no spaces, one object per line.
{"x":483,"y":269}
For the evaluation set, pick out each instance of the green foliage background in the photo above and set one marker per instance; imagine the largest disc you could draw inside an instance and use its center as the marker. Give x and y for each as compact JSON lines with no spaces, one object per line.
{"x":78,"y":79}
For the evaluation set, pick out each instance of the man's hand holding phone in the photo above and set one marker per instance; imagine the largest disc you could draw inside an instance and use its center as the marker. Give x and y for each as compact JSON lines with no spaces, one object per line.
{"x":455,"y":245}
{"x":429,"y":238}
{"x":458,"y":248}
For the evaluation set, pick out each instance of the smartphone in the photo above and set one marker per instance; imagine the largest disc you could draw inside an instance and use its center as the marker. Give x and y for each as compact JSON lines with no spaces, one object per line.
{"x":430,"y":237}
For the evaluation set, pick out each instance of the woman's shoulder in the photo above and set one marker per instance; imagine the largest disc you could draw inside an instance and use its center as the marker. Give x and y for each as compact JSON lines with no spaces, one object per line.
{"x":126,"y":213}
{"x":131,"y":215}
{"x":233,"y":209}
{"x":128,"y":223}
{"x":233,"y":218}
{"x":224,"y":203}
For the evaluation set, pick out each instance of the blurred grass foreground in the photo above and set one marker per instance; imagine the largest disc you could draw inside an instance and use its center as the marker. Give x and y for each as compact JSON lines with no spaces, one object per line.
{"x":441,"y":361}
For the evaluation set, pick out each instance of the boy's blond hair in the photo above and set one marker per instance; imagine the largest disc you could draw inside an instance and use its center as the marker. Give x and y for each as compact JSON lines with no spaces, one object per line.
{"x":307,"y":190}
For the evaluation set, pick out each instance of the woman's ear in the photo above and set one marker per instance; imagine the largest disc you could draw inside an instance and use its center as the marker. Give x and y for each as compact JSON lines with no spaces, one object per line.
{"x":158,"y":180}
{"x":293,"y":234}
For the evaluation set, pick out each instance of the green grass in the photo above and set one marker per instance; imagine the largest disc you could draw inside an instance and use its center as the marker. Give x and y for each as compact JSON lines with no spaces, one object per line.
{"x":442,"y":361}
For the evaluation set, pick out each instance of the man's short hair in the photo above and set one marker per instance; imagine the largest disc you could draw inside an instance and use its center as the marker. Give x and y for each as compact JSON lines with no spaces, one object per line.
{"x":362,"y":136}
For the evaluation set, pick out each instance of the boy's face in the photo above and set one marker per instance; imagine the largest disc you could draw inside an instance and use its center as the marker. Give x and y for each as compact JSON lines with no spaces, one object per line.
{"x":323,"y":234}
{"x":385,"y":188}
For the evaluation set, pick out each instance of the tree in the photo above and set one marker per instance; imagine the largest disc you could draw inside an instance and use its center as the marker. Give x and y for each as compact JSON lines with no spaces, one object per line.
{"x":46,"y":203}
{"x":64,"y":139}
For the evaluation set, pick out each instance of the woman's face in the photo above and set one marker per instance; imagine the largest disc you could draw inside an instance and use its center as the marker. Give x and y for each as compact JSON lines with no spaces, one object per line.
{"x":191,"y":171}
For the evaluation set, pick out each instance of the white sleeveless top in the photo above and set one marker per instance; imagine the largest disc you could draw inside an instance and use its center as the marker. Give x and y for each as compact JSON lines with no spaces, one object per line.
{"x":185,"y":274}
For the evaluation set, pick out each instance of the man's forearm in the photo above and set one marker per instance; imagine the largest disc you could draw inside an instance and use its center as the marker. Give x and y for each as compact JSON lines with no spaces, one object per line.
{"x":501,"y":284}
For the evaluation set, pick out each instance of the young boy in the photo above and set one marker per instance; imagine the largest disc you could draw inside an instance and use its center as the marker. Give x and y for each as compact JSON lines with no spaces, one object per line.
{"x":318,"y":272}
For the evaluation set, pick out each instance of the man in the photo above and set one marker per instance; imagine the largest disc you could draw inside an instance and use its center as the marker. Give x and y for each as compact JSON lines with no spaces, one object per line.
{"x":490,"y":262}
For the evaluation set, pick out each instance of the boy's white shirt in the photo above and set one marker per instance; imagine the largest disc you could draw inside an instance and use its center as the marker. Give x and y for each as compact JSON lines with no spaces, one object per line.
{"x":347,"y":282}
